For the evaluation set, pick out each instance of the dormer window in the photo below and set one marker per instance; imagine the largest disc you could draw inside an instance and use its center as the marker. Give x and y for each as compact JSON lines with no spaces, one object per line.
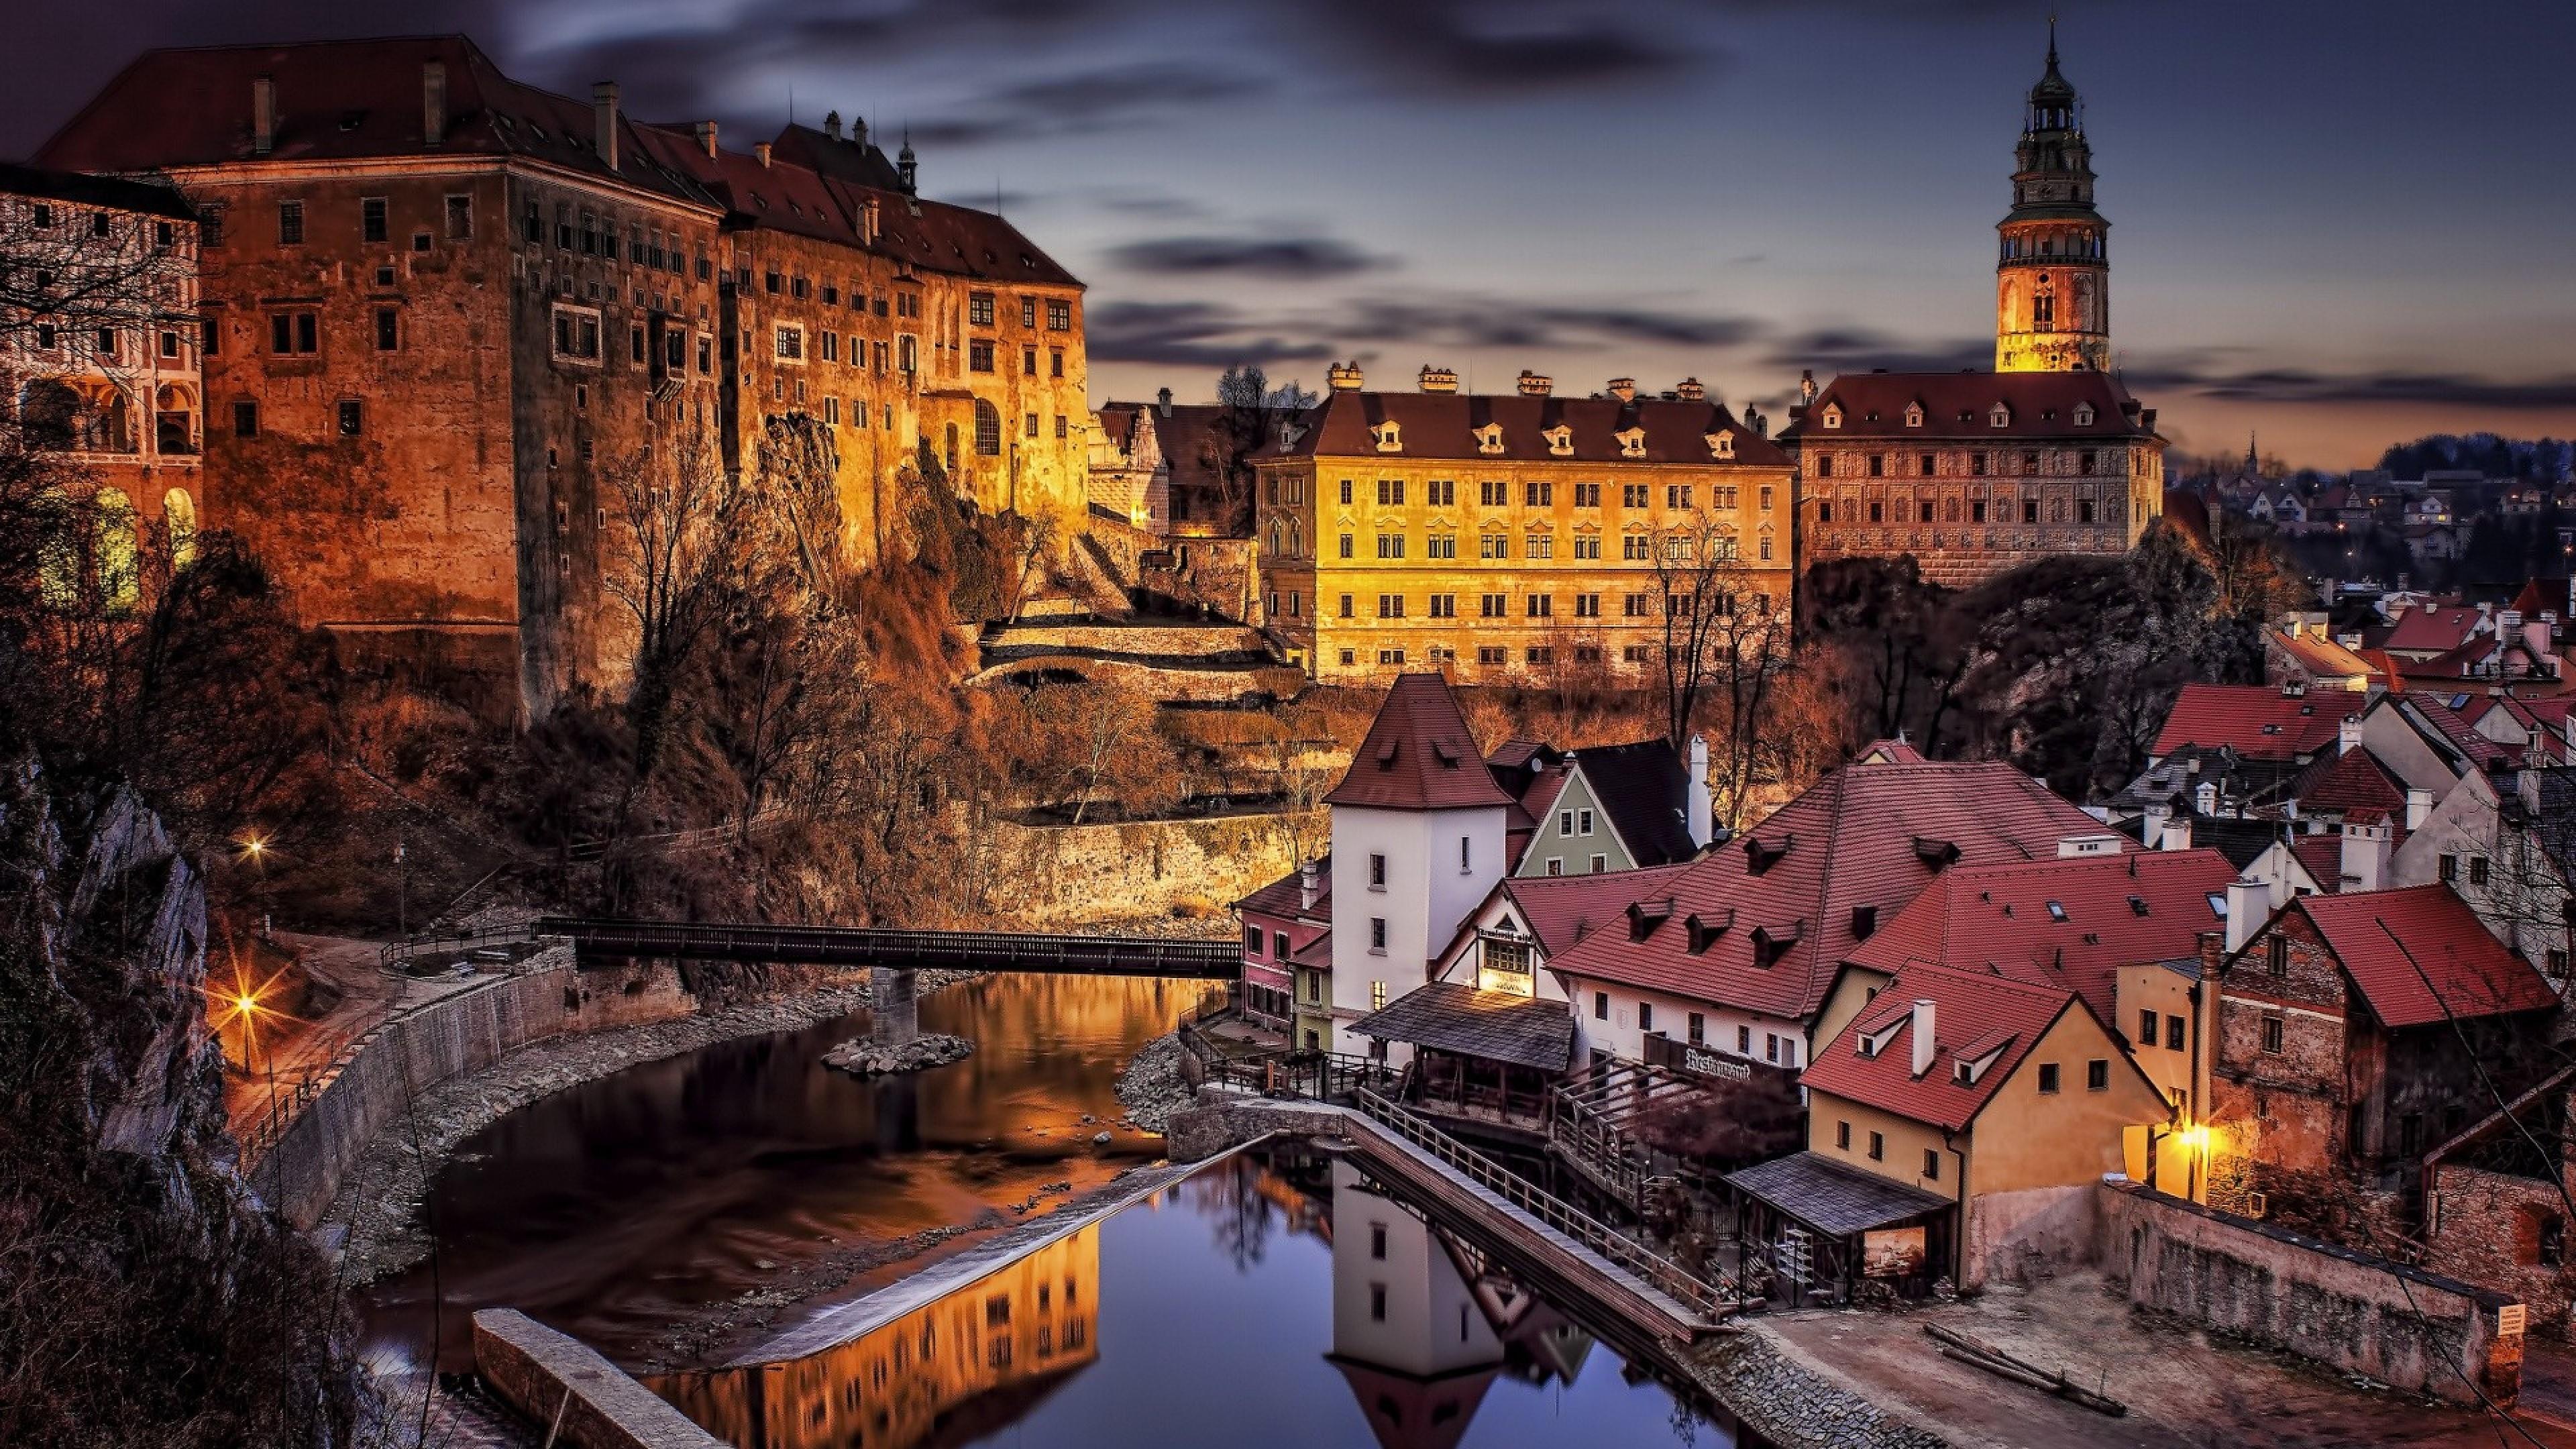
{"x":1560,"y":441}
{"x":1721,"y":444}
{"x":1770,"y":943}
{"x":1999,"y":416}
{"x":1390,"y":436}
{"x":1914,"y":415}
{"x":1632,"y":442}
{"x":1833,"y":416}
{"x":1704,"y":930}
{"x":1289,"y":433}
{"x":2084,"y":415}
{"x":1489,"y":439}
{"x":1760,"y":855}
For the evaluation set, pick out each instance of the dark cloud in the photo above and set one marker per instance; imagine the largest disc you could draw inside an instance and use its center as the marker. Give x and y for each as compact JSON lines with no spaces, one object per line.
{"x":1849,"y":349}
{"x":1294,"y":258}
{"x":1468,"y":47}
{"x":1080,"y":104}
{"x":2383,"y":388}
{"x":1215,"y":334}
{"x":1190,"y":334}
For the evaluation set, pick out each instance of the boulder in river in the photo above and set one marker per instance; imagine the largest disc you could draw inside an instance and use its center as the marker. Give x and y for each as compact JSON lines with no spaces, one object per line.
{"x":862,"y":1057}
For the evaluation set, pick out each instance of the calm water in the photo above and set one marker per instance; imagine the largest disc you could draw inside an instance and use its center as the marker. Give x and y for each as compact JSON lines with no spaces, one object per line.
{"x":609,"y":1209}
{"x":1258,"y":1303}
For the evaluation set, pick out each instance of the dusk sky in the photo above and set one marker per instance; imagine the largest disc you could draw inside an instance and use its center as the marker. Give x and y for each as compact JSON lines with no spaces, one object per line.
{"x":2341,"y":223}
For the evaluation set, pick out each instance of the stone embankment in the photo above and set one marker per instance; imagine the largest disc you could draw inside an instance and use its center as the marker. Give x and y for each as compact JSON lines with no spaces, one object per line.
{"x":1151,"y":1088}
{"x":379,"y":1196}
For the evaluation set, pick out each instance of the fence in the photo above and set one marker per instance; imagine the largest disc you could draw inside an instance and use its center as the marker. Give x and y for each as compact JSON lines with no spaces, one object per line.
{"x":1675,"y":1281}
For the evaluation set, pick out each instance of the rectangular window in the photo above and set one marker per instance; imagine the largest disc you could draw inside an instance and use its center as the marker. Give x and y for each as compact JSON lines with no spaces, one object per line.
{"x":1028,"y":311}
{"x":2173,"y":1032}
{"x":1493,"y":493}
{"x":1587,"y":546}
{"x":1390,"y":491}
{"x":1390,"y":606}
{"x":2146,"y":1028}
{"x":1601,"y":1006}
{"x":1842,"y":1135}
{"x":371,"y":219}
{"x":2047,"y":1077}
{"x":1443,"y":546}
{"x":2477,"y":870}
{"x":460,"y":217}
{"x":1539,"y":495}
{"x":1390,"y":545}
{"x":388,"y":329}
{"x":1587,"y":495}
{"x":1346,"y":606}
{"x":2271,"y":1033}
{"x":1059,"y":316}
{"x":290,"y":223}
{"x":1541,"y":606}
{"x":353,"y":417}
{"x":2030,"y":510}
{"x":1444,"y":606}
{"x":1932,"y":1164}
{"x":1346,"y":493}
{"x":245,"y":419}
{"x":1878,"y":1147}
{"x":293,"y":334}
{"x":1489,"y":654}
{"x":979,"y":356}
{"x":1028,"y":362}
{"x":1645,"y":1016}
{"x":979,"y":309}
{"x":1493,"y":546}
{"x":2097,"y":1075}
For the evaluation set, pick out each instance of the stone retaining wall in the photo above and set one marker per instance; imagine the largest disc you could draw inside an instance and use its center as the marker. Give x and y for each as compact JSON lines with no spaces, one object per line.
{"x":553,"y":1379}
{"x":1073,"y":873}
{"x":2346,"y":1309}
{"x":1148,"y":638}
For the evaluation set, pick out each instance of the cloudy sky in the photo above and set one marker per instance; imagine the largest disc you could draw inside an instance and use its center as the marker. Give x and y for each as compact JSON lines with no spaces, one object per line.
{"x":2343,"y":222}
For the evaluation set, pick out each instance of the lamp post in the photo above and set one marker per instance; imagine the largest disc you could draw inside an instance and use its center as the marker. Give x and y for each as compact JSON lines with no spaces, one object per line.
{"x":402,"y":890}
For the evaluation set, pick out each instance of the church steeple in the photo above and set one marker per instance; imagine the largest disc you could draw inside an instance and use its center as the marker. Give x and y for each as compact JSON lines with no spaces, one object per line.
{"x":2053,"y":270}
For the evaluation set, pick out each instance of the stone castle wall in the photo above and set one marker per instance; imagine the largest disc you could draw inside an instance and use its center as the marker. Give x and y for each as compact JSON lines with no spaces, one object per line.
{"x":1066,"y":875}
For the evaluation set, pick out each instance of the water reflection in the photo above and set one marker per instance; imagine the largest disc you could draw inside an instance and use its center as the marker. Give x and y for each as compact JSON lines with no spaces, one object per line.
{"x":1264,"y":1301}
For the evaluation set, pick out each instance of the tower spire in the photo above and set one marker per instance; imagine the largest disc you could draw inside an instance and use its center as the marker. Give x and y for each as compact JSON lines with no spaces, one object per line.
{"x":2052,"y":293}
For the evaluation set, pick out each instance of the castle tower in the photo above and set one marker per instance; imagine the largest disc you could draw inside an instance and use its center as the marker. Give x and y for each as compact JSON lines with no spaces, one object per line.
{"x":2053,"y":272}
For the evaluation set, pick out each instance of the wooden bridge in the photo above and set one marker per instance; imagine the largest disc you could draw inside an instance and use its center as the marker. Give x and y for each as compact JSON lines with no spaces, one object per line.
{"x":595,"y":937}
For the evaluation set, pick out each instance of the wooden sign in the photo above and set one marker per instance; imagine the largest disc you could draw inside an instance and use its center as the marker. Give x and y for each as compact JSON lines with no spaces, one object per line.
{"x":1891,"y":1252}
{"x":2511,"y":1320}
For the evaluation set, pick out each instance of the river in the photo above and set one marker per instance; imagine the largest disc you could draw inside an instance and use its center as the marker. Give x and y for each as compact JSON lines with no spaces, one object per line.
{"x":1263,"y":1301}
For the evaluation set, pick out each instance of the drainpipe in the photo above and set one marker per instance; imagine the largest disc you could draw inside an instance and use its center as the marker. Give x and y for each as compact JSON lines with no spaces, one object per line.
{"x":1959,"y":1231}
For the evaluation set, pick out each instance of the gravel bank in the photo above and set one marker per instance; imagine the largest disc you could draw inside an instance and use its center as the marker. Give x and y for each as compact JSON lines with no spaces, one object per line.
{"x":1151,"y":1088}
{"x":378,"y":1207}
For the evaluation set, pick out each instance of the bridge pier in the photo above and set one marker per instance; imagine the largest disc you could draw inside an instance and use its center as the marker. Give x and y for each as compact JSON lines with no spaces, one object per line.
{"x":895,"y":1016}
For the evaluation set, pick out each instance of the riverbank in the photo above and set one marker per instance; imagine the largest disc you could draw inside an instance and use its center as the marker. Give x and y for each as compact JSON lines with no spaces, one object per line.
{"x":377,"y":1211}
{"x":1150,"y":1086}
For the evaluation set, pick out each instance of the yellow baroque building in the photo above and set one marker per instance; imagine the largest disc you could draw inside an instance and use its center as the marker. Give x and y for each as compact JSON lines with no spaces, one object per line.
{"x":1520,"y":538}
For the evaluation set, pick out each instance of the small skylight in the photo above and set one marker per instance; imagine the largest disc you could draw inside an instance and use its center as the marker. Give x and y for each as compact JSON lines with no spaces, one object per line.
{"x":2218,"y":905}
{"x":2056,"y":911}
{"x":2138,"y":905}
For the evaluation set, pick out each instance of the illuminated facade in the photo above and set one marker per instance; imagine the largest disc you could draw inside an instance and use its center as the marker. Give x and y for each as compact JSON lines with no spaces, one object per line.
{"x":1506,"y":538}
{"x":2053,"y":267}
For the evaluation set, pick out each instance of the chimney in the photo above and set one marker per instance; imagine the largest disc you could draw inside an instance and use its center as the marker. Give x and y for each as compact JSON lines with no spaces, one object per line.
{"x":705,"y":131}
{"x":832,"y":124}
{"x":1163,"y":402}
{"x":2535,"y":635}
{"x":603,"y":114}
{"x":2365,"y":856}
{"x":2177,"y":834}
{"x":2079,"y":847}
{"x":1806,"y":387}
{"x":433,"y":102}
{"x":2348,"y":735}
{"x":2151,"y":824}
{"x":761,"y":150}
{"x":1624,"y":389}
{"x":869,"y":222}
{"x":2419,"y":808}
{"x":1924,"y":1045}
{"x":1307,"y":886}
{"x":1343,"y":377}
{"x":2204,"y":798}
{"x":2248,"y":907}
{"x":1536,"y":384}
{"x":1437,"y":379}
{"x":263,"y":116}
{"x":1697,"y":808}
{"x":1691,"y":389}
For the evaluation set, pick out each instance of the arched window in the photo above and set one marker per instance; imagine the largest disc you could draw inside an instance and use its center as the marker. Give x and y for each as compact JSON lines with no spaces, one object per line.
{"x":120,"y":568}
{"x":179,"y":516}
{"x":988,"y":429}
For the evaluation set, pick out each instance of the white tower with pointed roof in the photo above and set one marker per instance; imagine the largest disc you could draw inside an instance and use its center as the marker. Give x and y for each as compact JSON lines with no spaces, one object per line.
{"x":1418,"y":839}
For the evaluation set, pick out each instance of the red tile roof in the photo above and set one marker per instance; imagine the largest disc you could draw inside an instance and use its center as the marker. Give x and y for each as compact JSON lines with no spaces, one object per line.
{"x":2109,"y":912}
{"x":1283,"y":898}
{"x":2352,"y":780}
{"x":1562,"y":910}
{"x":2257,"y":721}
{"x":1776,"y":905}
{"x":2321,"y":657}
{"x":2321,"y":856}
{"x":1419,"y":755}
{"x":2420,"y":957}
{"x":1973,"y":1013}
{"x":1444,"y":425}
{"x":1959,"y":404}
{"x":2431,"y":629}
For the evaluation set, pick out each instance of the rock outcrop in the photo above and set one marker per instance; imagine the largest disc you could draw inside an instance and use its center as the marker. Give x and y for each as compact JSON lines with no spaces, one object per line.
{"x":862,"y":1057}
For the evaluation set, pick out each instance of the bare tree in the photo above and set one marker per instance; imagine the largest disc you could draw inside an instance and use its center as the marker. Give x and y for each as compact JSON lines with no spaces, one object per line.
{"x":800,"y":480}
{"x":1713,"y":623}
{"x":64,"y":270}
{"x":684,"y":526}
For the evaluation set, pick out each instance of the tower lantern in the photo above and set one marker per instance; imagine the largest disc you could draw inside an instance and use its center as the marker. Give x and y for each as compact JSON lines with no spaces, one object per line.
{"x":2053,"y":267}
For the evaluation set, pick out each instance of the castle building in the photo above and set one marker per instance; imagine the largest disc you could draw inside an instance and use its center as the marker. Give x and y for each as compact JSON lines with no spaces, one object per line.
{"x":1512,"y":538}
{"x":1974,"y":473}
{"x":446,"y":312}
{"x":99,"y":365}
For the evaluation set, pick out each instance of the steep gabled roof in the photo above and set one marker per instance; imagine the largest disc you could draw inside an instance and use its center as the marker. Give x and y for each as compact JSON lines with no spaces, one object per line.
{"x":1438,"y":425}
{"x":2322,"y":657}
{"x":2431,"y":629}
{"x":2038,"y":405}
{"x":1562,"y":910}
{"x":1974,"y":1014}
{"x":1284,"y":898}
{"x":1645,"y":791}
{"x":2070,"y":922}
{"x":1419,"y":755}
{"x":2352,"y":780}
{"x":2419,"y":956}
{"x":2257,"y":721}
{"x":1775,"y":909}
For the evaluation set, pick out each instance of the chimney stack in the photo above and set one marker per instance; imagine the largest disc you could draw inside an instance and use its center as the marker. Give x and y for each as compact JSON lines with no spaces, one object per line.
{"x":2249,"y":905}
{"x":263,"y":116}
{"x":1536,"y":384}
{"x":1308,"y":885}
{"x":1699,"y":810}
{"x":1807,"y":387}
{"x":832,"y":124}
{"x":603,"y":114}
{"x":1691,"y":389}
{"x":2366,"y":850}
{"x":2419,"y":808}
{"x":705,"y":131}
{"x":1343,"y":377}
{"x":1624,"y":389}
{"x":2348,"y":735}
{"x":1436,"y":379}
{"x":1924,"y":1045}
{"x":433,"y":102}
{"x":761,"y":150}
{"x":1163,"y":401}
{"x":2177,"y":833}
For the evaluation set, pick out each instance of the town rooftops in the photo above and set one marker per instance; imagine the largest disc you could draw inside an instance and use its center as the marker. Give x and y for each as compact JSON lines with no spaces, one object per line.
{"x":358,"y":100}
{"x":1645,"y":791}
{"x":2053,"y":406}
{"x":1561,"y":910}
{"x":1834,"y":1197}
{"x":2431,"y":629}
{"x":1419,"y":755}
{"x":1283,"y":898}
{"x":2321,"y":656}
{"x":2420,"y":957}
{"x":108,"y":192}
{"x":1499,"y":1026}
{"x":2353,"y":780}
{"x":1764,"y":922}
{"x":2069,"y":922}
{"x":2257,"y":721}
{"x":1471,"y":427}
{"x":1985,"y":1021}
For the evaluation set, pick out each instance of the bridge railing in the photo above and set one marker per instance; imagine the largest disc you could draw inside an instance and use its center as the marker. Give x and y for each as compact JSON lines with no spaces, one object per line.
{"x":1676,"y":1282}
{"x":395,"y":954}
{"x":1138,"y":955}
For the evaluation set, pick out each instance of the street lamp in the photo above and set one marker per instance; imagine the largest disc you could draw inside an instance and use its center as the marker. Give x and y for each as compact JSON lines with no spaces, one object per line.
{"x":402,"y":891}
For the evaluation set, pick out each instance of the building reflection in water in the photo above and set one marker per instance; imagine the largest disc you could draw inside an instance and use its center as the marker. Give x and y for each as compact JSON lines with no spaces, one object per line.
{"x":947,"y":1372}
{"x":1423,"y":1323}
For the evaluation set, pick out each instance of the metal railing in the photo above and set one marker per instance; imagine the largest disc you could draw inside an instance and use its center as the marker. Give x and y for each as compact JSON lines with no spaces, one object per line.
{"x":1675,"y":1281}
{"x":852,"y":945}
{"x":395,"y":954}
